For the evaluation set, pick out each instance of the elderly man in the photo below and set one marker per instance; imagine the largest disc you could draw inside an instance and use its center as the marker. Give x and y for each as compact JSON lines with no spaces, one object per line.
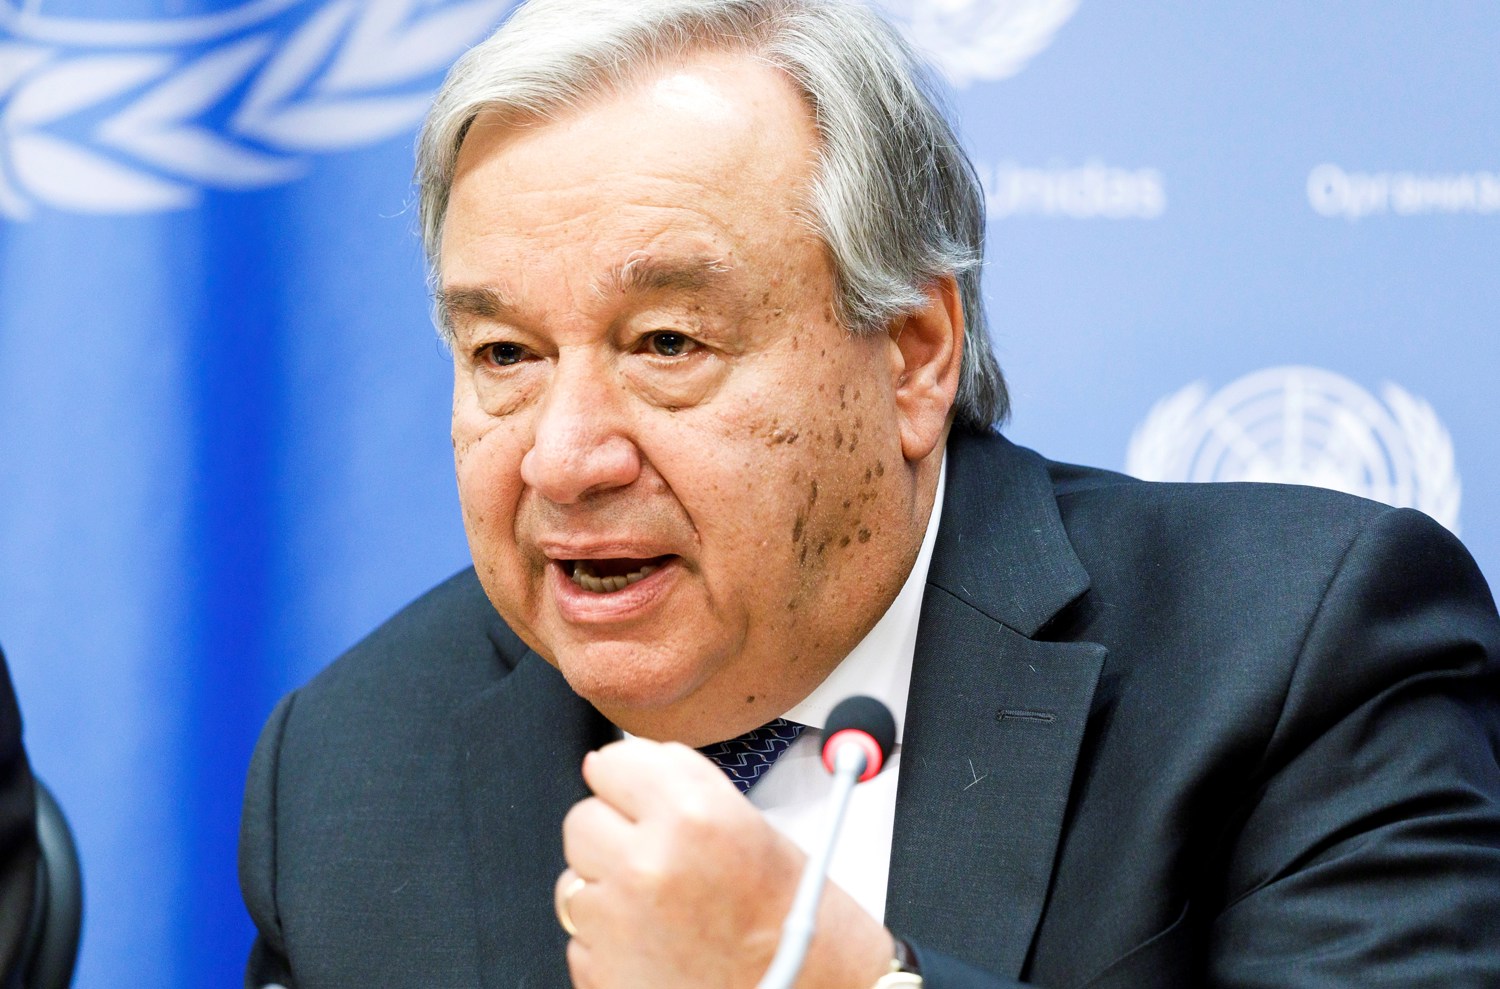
{"x":722,"y":420}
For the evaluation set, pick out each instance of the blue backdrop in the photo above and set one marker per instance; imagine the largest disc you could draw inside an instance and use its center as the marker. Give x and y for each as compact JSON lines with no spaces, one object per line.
{"x":1246,"y":239}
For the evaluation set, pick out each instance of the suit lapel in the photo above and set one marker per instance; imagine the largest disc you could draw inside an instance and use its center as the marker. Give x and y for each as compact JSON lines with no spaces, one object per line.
{"x":995,"y":718}
{"x":525,"y":739}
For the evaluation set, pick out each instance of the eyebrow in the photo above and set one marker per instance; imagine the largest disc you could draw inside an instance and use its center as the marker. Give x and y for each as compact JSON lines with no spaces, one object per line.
{"x":642,"y":273}
{"x":480,"y":302}
{"x":638,"y":274}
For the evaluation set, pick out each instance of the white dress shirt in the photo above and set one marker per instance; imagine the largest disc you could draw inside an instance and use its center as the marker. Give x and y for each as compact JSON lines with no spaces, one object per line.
{"x":793,"y":794}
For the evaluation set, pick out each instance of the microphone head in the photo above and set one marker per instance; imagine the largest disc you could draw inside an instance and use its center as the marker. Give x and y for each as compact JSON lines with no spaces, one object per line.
{"x":863,"y":721}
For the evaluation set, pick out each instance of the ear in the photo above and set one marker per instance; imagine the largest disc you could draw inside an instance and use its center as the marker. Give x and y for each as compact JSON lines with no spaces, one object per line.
{"x":927,"y":349}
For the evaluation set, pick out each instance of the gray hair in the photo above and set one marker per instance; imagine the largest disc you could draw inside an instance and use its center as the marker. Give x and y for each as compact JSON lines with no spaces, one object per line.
{"x":895,"y":200}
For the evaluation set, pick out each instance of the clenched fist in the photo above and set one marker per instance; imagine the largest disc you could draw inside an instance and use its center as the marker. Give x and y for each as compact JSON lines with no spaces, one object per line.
{"x":685,"y":885}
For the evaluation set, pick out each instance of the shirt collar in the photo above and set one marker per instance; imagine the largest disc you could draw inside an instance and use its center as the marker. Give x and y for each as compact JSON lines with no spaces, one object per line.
{"x":880,"y":666}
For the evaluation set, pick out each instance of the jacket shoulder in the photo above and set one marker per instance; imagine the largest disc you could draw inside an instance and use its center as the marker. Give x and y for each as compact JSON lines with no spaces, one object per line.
{"x":354,"y":796}
{"x":1289,"y":521}
{"x":449,"y":640}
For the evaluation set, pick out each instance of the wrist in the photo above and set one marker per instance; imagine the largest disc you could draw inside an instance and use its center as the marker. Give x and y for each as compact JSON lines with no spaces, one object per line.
{"x":850,"y":948}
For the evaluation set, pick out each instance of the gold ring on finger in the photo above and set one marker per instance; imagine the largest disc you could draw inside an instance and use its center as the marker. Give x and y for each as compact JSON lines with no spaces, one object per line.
{"x":564,"y":899}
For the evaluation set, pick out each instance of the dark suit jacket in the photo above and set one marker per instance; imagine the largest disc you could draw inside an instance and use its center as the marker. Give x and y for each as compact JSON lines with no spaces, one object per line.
{"x":18,"y":848}
{"x":1158,"y":735}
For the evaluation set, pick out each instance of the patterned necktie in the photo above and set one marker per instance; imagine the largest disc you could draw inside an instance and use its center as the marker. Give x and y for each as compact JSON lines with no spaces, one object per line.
{"x":746,"y":759}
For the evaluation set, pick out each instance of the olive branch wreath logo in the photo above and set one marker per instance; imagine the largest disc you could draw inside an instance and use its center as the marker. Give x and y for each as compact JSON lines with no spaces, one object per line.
{"x":141,"y":116}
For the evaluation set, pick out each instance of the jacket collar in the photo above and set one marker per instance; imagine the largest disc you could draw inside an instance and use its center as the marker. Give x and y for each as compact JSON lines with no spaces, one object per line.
{"x":1002,"y":548}
{"x":995,"y":717}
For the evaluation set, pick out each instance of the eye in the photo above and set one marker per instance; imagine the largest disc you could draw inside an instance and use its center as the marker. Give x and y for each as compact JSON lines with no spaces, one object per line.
{"x":504,"y":354}
{"x":666,"y":343}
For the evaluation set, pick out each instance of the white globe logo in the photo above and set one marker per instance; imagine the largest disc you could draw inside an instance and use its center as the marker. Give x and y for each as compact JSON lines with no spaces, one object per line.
{"x":1303,"y":425}
{"x":972,"y":40}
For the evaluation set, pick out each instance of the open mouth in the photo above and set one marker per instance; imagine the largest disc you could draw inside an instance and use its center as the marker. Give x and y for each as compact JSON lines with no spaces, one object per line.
{"x":609,"y":575}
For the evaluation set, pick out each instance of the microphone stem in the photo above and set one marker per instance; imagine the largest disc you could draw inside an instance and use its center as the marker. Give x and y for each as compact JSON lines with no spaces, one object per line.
{"x":801,"y":920}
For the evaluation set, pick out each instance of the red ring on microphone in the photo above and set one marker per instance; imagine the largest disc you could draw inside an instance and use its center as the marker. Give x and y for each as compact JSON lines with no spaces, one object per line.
{"x":873,"y":758}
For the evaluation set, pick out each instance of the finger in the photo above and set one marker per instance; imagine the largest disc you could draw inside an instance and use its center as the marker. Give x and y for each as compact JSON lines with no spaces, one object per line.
{"x":580,"y":971}
{"x":596,"y":836}
{"x":636,"y":775}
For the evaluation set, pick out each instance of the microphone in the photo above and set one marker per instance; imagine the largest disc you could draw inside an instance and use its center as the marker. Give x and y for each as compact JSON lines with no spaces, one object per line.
{"x":861,"y":721}
{"x":857,"y":742}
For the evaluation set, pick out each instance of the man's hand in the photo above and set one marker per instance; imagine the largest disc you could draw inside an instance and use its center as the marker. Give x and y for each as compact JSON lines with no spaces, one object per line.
{"x":686,"y":885}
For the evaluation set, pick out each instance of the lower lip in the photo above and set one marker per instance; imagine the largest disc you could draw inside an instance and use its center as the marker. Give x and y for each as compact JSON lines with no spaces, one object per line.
{"x":592,"y":607}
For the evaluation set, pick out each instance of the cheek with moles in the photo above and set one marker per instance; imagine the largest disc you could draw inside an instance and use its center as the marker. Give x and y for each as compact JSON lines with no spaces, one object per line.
{"x":814,"y":462}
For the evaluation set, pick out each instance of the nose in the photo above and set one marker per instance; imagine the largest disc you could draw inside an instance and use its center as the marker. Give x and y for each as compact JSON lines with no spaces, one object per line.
{"x":582,"y":445}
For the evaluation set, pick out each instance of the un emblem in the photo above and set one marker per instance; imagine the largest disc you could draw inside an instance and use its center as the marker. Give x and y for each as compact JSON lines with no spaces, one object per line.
{"x":973,"y":40}
{"x":1303,"y":425}
{"x":140,"y":116}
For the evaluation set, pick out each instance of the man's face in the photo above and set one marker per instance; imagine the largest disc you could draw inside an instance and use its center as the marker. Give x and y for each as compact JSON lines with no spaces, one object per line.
{"x":682,"y":479}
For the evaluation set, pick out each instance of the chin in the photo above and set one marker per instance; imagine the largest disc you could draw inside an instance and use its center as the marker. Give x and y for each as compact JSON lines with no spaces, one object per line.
{"x":618,"y":678}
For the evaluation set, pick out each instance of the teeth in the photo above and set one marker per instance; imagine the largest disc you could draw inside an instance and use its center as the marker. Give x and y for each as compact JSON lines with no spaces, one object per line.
{"x":604,"y":585}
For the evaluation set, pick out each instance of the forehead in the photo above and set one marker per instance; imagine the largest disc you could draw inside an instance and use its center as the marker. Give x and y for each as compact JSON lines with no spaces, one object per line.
{"x":701,"y":160}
